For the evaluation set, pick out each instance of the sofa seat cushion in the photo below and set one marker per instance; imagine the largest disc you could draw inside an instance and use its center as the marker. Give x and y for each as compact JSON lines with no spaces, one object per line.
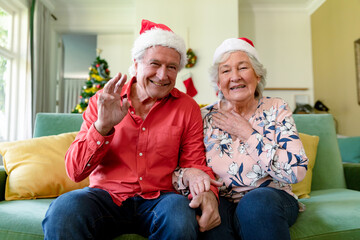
{"x":22,"y":219}
{"x":330,"y":214}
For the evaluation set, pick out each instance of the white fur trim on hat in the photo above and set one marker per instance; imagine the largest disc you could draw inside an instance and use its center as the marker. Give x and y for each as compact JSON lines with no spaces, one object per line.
{"x":234,"y":44}
{"x":160,"y":37}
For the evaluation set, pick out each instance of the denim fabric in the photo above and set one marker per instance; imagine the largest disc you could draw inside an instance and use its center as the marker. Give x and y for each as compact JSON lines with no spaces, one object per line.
{"x":263,"y":213}
{"x":90,"y":213}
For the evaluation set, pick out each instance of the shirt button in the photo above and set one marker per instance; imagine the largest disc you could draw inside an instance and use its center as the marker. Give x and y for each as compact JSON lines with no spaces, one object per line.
{"x":107,"y":142}
{"x":140,"y":154}
{"x":132,"y":112}
{"x":143,"y":129}
{"x":140,"y":178}
{"x":88,"y":164}
{"x":98,"y":142}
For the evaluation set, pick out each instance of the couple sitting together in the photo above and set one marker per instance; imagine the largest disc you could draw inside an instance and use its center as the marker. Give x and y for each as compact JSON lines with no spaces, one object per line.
{"x":162,"y":168}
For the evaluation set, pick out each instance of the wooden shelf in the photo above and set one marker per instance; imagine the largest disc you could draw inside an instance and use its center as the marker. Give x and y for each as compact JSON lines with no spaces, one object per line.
{"x":286,"y":89}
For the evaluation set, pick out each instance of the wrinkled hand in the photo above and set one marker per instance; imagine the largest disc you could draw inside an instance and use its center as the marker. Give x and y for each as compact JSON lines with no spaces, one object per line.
{"x":111,"y":110}
{"x":198,"y":181}
{"x":208,"y":204}
{"x":233,"y":123}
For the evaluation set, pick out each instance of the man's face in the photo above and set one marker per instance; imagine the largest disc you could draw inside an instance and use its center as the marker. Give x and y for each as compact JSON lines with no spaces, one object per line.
{"x":156,"y":72}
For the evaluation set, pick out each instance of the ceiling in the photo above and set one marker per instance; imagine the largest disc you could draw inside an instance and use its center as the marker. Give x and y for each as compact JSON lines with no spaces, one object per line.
{"x":65,"y":5}
{"x":118,"y":15}
{"x":94,"y":4}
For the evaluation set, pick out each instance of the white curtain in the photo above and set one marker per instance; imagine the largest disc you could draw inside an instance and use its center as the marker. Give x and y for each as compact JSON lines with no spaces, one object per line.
{"x":72,"y":90}
{"x":41,"y":87}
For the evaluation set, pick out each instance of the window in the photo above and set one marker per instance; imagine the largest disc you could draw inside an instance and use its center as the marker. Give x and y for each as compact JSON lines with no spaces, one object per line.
{"x":5,"y":28}
{"x":14,"y":73}
{"x":6,"y":20}
{"x":4,"y":76}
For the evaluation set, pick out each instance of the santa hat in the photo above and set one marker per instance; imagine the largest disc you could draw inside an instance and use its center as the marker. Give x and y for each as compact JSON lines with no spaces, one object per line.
{"x":153,"y":34}
{"x":235,"y":44}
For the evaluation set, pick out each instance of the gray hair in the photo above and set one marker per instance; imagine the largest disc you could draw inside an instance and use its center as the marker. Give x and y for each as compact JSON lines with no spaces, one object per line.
{"x":259,"y":69}
{"x":137,"y":58}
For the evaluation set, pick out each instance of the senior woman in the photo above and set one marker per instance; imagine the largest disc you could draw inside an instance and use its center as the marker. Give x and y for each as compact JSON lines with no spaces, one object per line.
{"x":253,"y":147}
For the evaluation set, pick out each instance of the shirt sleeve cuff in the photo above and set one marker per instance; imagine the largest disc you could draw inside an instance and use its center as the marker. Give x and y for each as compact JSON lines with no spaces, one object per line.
{"x":96,"y":140}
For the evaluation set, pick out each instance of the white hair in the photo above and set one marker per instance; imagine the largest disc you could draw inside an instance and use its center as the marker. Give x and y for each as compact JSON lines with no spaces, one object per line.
{"x":259,"y":69}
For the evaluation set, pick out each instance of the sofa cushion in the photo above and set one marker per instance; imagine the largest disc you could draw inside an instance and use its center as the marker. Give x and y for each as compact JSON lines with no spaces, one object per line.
{"x":350,"y":149}
{"x":328,"y":171}
{"x":330,"y":214}
{"x":22,"y":219}
{"x":310,"y":143}
{"x":36,"y":167}
{"x":47,"y":124}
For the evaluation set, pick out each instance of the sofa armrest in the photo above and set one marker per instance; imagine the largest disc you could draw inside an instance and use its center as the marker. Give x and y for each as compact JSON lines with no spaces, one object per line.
{"x":352,"y":175}
{"x":2,"y":183}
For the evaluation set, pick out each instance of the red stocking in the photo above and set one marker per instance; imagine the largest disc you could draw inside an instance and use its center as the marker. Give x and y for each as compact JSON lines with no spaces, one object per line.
{"x":190,"y":88}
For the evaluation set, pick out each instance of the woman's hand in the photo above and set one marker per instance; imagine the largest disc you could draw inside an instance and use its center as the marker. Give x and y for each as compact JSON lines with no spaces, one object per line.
{"x":111,"y":110}
{"x":198,"y":181}
{"x":233,"y":123}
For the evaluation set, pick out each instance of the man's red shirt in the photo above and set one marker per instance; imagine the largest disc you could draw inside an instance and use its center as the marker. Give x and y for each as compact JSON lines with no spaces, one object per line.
{"x":139,"y":156}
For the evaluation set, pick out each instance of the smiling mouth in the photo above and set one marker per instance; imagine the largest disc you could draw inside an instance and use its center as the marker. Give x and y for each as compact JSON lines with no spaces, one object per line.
{"x":237,"y":87}
{"x":159,"y":84}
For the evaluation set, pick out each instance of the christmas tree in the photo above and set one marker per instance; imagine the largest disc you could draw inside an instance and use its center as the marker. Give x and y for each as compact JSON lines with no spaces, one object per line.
{"x":99,"y":75}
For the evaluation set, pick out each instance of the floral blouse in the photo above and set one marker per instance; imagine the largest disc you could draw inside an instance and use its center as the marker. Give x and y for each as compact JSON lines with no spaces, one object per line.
{"x":273,"y":156}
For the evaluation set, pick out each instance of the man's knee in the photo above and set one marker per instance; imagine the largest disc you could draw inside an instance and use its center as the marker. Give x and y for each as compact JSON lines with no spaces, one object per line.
{"x":68,"y":211}
{"x":174,"y":214}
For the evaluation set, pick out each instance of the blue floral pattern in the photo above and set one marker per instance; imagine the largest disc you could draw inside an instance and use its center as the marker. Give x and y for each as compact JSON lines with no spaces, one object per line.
{"x":272,"y":157}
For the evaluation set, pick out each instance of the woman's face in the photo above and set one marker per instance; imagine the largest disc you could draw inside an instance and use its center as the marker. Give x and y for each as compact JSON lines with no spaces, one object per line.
{"x":237,"y":78}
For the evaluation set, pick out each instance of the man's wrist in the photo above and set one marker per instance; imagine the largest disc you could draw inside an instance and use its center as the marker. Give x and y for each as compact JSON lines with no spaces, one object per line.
{"x":183,"y":178}
{"x":103,"y":131}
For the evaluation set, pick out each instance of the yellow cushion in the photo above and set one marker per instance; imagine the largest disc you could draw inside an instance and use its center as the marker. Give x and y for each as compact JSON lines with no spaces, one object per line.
{"x":36,"y":167}
{"x":310,"y":143}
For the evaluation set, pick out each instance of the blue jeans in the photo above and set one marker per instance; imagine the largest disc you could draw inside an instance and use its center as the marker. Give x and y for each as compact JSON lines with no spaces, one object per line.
{"x":263,"y":213}
{"x":90,"y":213}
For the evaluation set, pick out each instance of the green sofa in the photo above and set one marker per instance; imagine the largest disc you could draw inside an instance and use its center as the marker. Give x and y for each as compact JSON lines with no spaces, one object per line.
{"x":332,"y":212}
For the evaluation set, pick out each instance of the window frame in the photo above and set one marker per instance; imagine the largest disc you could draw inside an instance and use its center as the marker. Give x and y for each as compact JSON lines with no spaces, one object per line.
{"x":18,"y":60}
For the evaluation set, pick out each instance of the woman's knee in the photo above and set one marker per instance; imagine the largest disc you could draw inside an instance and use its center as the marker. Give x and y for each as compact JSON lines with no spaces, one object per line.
{"x":265,"y":203}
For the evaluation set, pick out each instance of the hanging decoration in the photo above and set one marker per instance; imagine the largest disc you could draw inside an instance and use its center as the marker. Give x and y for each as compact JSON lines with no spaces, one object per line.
{"x":189,"y":85}
{"x":191,"y":58}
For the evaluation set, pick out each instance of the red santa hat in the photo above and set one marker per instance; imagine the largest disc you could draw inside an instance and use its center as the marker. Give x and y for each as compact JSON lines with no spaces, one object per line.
{"x":153,"y":34}
{"x":235,"y":44}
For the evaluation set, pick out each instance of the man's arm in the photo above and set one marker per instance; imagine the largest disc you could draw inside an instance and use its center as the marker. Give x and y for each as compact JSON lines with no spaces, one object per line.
{"x":192,"y":180}
{"x":193,"y":156}
{"x":192,"y":151}
{"x":92,"y":142}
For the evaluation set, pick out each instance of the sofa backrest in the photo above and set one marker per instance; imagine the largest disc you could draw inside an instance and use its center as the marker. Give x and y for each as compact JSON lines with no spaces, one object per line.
{"x":328,"y":171}
{"x":47,"y":124}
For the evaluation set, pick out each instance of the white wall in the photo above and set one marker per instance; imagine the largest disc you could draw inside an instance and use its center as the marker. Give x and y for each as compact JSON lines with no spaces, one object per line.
{"x":282,"y":36}
{"x":283,"y":39}
{"x":204,"y":24}
{"x":116,"y":50}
